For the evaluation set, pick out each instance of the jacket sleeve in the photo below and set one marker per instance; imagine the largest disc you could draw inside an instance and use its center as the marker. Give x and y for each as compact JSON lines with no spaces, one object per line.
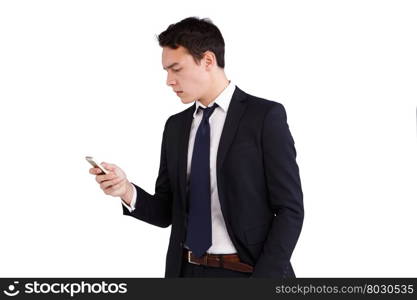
{"x":285,"y":195}
{"x":155,"y":209}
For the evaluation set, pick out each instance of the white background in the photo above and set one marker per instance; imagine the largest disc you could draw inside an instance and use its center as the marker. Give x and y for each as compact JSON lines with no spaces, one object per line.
{"x":84,"y":78}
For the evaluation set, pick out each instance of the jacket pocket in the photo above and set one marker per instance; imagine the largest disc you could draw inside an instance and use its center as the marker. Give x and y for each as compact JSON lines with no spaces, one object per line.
{"x":244,"y":145}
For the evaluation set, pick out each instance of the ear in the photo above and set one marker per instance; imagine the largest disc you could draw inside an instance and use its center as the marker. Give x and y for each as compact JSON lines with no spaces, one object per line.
{"x":209,"y":60}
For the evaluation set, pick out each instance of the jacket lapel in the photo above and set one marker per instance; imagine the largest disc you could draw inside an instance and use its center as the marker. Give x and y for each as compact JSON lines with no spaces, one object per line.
{"x":183,"y":152}
{"x":234,"y":113}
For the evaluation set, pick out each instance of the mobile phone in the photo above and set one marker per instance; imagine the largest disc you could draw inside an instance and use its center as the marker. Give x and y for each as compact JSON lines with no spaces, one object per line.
{"x":91,"y":160}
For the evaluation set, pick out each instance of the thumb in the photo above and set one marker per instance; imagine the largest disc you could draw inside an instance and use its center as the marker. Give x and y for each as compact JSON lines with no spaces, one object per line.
{"x":108,"y":166}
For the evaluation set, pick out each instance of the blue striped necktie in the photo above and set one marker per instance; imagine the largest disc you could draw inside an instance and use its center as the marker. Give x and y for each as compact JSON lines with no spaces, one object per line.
{"x":199,"y":215}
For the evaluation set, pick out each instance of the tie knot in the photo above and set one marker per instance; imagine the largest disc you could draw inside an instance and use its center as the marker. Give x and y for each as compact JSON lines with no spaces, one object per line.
{"x":208,"y":111}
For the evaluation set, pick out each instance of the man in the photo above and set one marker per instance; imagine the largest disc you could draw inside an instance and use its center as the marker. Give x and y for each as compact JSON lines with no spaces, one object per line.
{"x":228,"y":180}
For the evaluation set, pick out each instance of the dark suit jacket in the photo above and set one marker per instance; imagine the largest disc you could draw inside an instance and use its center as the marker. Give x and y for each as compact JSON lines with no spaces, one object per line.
{"x":257,"y":179}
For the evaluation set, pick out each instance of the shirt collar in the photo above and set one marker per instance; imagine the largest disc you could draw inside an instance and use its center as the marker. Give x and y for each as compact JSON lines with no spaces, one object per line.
{"x":222,"y":100}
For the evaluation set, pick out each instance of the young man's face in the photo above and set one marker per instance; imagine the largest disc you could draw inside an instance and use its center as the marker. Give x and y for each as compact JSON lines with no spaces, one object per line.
{"x":188,"y":79}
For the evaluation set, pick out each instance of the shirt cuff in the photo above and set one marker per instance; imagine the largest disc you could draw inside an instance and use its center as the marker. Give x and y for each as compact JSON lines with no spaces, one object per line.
{"x":131,"y":207}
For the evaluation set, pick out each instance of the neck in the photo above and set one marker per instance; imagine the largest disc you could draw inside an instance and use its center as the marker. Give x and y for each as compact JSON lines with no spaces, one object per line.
{"x":217,"y":87}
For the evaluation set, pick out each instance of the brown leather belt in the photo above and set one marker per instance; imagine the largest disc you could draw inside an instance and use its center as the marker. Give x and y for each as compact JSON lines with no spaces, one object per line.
{"x":226,"y":261}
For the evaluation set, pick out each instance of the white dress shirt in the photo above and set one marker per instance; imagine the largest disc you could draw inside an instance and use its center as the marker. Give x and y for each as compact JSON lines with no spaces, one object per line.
{"x":221,"y":242}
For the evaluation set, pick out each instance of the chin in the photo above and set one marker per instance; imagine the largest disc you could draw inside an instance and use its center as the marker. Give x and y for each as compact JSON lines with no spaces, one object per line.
{"x":186,"y":101}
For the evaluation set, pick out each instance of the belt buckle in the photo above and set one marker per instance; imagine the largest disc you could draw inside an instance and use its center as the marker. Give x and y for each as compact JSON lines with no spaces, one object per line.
{"x":189,"y":259}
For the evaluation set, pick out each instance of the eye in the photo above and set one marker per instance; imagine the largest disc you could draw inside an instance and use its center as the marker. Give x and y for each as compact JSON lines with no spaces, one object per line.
{"x":176,"y":70}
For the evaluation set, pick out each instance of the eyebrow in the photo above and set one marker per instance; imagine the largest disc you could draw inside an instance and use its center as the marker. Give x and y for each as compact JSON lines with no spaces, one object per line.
{"x":170,"y":66}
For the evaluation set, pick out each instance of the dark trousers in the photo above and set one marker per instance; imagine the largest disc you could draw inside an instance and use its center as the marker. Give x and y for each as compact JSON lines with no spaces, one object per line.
{"x":192,"y":270}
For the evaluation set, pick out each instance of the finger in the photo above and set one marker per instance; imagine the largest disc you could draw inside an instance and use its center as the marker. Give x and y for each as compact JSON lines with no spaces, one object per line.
{"x":108,"y":183}
{"x":104,"y":177}
{"x":113,"y":188}
{"x":95,"y":171}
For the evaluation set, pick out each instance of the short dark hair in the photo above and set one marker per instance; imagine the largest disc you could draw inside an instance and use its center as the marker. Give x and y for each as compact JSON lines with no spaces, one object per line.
{"x":197,"y":36}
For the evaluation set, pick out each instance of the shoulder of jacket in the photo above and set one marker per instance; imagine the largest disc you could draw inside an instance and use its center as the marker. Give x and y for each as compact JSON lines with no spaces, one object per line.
{"x":179,"y":117}
{"x":263,"y":104}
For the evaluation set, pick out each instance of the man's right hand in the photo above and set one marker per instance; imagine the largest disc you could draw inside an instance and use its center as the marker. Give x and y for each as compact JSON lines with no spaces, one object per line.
{"x":115,"y":183}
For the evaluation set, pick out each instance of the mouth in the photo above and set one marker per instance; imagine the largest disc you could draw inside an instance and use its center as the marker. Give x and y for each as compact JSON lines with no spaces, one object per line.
{"x":178,"y":92}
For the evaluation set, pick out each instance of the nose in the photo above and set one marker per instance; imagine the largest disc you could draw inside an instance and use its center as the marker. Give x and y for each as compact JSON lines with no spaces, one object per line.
{"x":170,"y":81}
